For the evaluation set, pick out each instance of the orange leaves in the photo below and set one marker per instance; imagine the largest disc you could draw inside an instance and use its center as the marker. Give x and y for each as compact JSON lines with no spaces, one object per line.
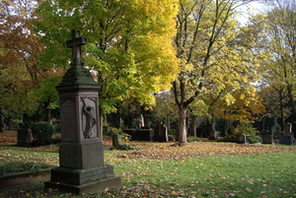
{"x":198,"y":149}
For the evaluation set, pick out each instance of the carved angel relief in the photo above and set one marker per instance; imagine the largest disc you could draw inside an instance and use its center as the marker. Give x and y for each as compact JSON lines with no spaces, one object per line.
{"x":89,"y":119}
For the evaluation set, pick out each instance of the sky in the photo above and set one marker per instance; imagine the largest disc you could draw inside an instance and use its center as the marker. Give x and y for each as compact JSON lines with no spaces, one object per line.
{"x":251,"y":9}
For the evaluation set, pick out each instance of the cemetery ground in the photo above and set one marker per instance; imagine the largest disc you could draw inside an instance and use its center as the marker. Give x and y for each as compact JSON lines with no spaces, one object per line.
{"x":199,"y":169}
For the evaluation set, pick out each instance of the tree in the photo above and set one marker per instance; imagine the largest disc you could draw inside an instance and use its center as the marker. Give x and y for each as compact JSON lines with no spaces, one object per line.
{"x":19,"y":47}
{"x":279,"y":72}
{"x":129,"y":44}
{"x":212,"y":61}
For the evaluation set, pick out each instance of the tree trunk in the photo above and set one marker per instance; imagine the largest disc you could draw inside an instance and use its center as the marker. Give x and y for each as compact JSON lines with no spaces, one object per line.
{"x":281,"y":108}
{"x":182,"y":132}
{"x":46,"y":110}
{"x":193,"y":126}
{"x":168,"y":123}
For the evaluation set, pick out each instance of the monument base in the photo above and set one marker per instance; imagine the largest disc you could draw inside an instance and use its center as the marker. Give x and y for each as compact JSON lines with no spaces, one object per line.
{"x":97,"y":186}
{"x":83,"y":180}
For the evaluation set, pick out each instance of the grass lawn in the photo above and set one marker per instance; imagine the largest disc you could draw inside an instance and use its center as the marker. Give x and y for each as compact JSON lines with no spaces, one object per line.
{"x":144,"y":174}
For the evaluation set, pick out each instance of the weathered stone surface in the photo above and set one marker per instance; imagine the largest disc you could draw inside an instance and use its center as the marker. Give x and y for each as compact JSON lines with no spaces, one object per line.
{"x":96,"y":186}
{"x":24,"y":178}
{"x":116,"y":140}
{"x":81,"y":154}
{"x":24,"y":137}
{"x":286,"y":139}
{"x":287,"y":128}
{"x":140,"y":134}
{"x":268,"y":139}
{"x":160,"y":133}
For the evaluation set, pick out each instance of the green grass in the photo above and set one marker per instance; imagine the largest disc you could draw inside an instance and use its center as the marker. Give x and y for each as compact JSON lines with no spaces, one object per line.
{"x":273,"y":175}
{"x":16,"y":159}
{"x":263,"y":175}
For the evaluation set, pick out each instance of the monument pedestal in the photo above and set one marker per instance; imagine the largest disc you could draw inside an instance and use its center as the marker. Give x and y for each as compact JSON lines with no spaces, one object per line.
{"x":84,"y":180}
{"x":81,"y":155}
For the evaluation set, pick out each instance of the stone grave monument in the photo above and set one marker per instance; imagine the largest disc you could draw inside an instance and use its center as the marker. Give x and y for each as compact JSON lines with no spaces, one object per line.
{"x":24,"y":133}
{"x":288,"y":136}
{"x":81,"y":156}
{"x":268,"y":138}
{"x":160,"y":133}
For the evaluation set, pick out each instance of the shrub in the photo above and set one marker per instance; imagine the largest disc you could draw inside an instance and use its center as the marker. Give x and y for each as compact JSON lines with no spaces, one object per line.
{"x":229,"y":138}
{"x":124,"y":136}
{"x":118,"y":136}
{"x":192,"y":139}
{"x":246,"y":129}
{"x":42,"y":132}
{"x":254,"y":139}
{"x":171,"y":137}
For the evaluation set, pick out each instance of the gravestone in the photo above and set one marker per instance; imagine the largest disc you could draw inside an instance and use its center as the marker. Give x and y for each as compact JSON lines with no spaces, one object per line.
{"x":288,"y":136}
{"x":214,"y":134}
{"x":160,"y":133}
{"x":268,"y":138}
{"x":286,"y":139}
{"x":81,"y":156}
{"x":24,"y":133}
{"x":116,"y":141}
{"x":287,"y":128}
{"x":24,"y":136}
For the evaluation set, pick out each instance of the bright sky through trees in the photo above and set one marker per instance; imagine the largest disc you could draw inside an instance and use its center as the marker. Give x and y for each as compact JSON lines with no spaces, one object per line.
{"x":246,"y":11}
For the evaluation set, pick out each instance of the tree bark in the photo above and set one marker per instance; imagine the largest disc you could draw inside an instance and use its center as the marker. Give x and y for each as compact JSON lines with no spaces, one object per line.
{"x":193,"y":126}
{"x":281,"y":98}
{"x":182,"y":132}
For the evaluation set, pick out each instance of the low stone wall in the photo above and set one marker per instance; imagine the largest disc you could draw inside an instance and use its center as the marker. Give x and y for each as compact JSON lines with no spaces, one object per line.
{"x":140,"y":134}
{"x":24,"y":178}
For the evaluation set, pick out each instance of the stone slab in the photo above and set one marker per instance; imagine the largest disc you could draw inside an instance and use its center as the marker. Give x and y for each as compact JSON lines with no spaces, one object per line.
{"x":81,"y":176}
{"x":24,"y":178}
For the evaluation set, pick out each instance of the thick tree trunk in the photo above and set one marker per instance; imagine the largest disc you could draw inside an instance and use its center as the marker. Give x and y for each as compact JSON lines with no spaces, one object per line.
{"x":182,"y":132}
{"x":193,"y":126}
{"x":281,"y":108}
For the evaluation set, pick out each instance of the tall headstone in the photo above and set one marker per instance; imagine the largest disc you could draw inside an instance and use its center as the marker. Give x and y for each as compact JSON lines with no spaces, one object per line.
{"x":24,"y":133}
{"x":288,"y":136}
{"x":287,"y":128}
{"x":81,"y":156}
{"x":161,"y":133}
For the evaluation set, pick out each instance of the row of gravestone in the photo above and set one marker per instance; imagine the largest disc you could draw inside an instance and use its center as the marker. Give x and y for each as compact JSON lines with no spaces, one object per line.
{"x":284,"y":137}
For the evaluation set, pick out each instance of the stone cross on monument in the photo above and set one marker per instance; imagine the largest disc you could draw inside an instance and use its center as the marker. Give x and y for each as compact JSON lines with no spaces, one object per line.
{"x":76,"y":44}
{"x":81,"y":155}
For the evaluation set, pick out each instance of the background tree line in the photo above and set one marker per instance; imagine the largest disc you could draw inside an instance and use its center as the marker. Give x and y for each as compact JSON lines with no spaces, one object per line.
{"x":165,"y":60}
